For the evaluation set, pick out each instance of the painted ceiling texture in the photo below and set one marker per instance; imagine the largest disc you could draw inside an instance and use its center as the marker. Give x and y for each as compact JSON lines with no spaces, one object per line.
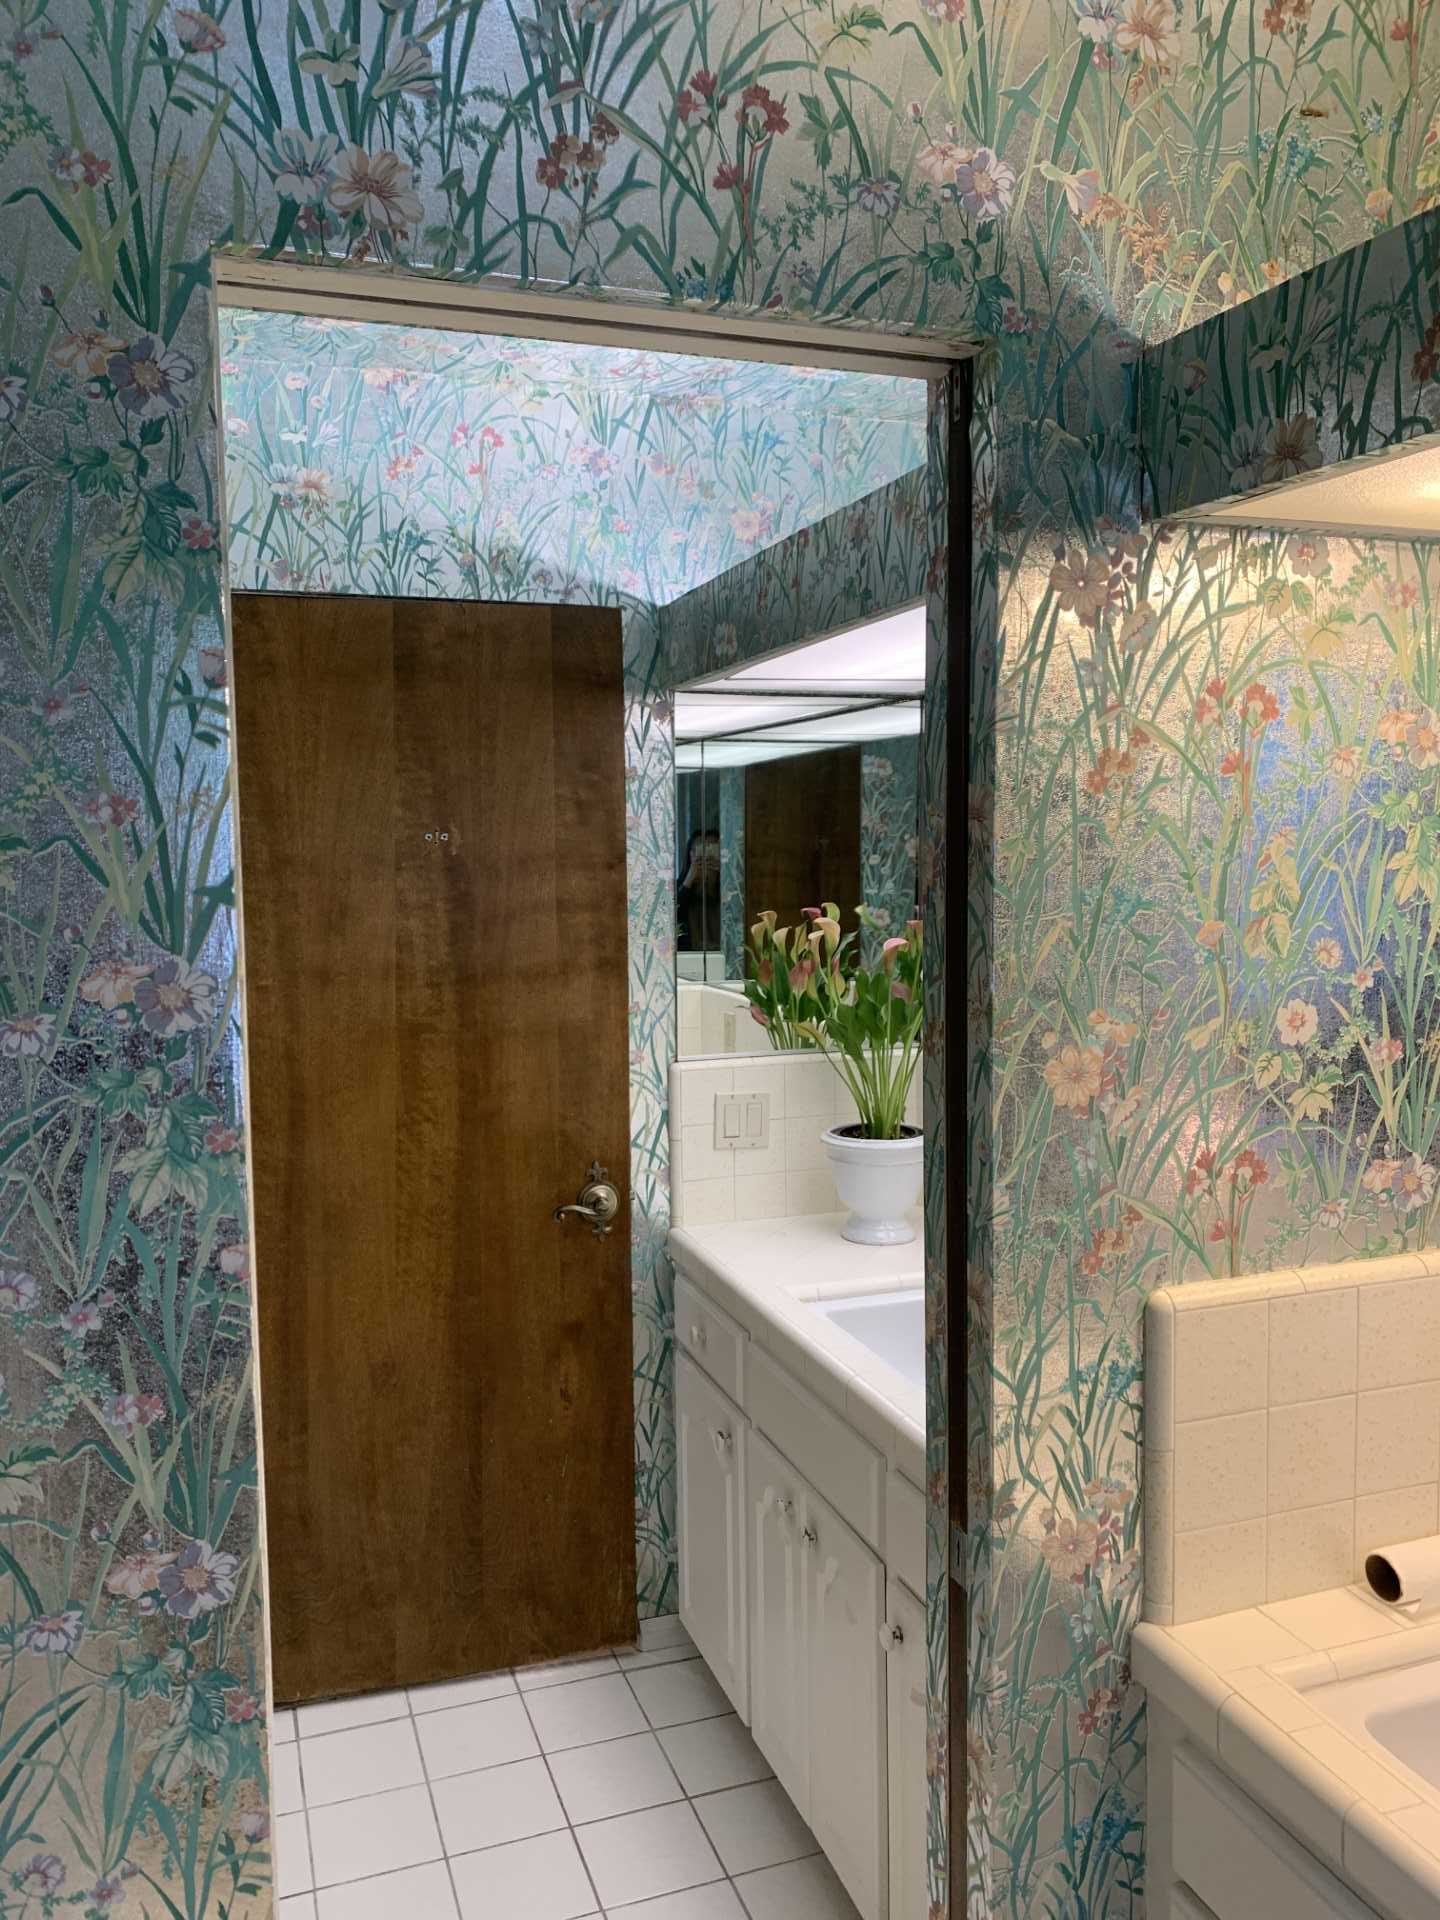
{"x":378,"y":458}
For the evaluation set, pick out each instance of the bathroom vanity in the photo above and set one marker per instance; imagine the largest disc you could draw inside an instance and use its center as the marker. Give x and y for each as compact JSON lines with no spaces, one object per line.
{"x":800,"y":1411}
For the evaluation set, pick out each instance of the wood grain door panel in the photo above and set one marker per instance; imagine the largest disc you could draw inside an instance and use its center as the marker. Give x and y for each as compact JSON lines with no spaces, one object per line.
{"x":802,"y":835}
{"x":431,"y":807}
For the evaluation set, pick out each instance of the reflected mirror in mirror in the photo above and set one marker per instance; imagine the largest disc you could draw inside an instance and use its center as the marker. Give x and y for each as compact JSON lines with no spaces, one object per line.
{"x":797,"y":783}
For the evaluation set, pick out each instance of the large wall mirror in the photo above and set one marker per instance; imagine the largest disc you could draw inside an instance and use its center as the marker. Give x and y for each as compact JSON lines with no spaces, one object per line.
{"x":797,"y":782}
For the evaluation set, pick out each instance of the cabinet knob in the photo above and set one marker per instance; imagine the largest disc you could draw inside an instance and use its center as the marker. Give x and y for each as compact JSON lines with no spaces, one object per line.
{"x":723,"y":1441}
{"x":697,"y":1337}
{"x":891,"y":1637}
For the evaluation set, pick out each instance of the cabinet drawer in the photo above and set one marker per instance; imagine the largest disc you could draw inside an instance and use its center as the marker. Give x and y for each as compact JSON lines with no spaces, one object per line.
{"x":710,"y":1337}
{"x":1242,"y":1863}
{"x":905,"y":1530}
{"x":845,"y":1469}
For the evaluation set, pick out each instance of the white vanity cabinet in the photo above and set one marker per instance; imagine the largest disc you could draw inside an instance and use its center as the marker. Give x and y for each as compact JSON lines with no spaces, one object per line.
{"x":845,"y":1723}
{"x":779,"y":1680}
{"x":905,"y":1692}
{"x":784,"y":1516}
{"x":710,"y":1434}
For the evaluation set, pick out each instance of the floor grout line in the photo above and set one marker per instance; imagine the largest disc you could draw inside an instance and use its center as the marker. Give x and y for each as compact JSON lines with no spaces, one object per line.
{"x":572,"y":1827}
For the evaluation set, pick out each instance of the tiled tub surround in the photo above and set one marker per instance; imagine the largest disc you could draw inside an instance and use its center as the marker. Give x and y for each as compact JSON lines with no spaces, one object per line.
{"x":1261,"y":1803}
{"x":786,"y":1177}
{"x":801,"y":1525}
{"x":621,"y":1784}
{"x":1292,"y":1424}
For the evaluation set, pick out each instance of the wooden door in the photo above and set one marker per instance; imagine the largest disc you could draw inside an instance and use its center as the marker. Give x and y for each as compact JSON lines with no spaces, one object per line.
{"x":431,"y":807}
{"x":710,"y":1513}
{"x":802,"y":835}
{"x":846,"y":1729}
{"x":777,"y":1617}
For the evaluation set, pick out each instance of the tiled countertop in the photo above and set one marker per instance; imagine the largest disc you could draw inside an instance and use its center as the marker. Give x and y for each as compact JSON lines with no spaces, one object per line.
{"x":765,"y":1274}
{"x":1234,"y":1682}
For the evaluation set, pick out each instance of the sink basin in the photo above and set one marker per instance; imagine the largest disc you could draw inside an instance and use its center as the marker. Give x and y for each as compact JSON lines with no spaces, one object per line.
{"x":1398,"y":1709}
{"x":891,"y":1325}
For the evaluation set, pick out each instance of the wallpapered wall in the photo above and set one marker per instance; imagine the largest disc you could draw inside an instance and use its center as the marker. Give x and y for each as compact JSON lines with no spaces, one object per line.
{"x":390,"y":459}
{"x":1055,"y":176}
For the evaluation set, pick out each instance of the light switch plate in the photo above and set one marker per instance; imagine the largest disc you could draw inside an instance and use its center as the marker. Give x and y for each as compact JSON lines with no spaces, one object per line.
{"x":741,"y":1120}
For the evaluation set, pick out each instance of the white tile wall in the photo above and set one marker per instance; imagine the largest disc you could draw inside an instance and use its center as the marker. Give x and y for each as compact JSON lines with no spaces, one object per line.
{"x":713,"y":1020}
{"x":710,"y":1186}
{"x":1292,"y":1425}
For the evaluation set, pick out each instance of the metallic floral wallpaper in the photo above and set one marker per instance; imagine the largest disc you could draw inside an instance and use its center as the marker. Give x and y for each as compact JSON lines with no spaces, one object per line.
{"x":1057,"y":179}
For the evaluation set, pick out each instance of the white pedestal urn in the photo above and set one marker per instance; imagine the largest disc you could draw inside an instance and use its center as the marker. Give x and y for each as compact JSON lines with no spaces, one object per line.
{"x":879,"y":1181}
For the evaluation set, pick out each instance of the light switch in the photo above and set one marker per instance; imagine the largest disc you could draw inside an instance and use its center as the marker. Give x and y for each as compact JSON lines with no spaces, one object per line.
{"x":742,"y":1120}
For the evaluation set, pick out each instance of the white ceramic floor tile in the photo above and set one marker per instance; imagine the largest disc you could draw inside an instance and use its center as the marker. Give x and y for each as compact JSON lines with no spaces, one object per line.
{"x":641,"y":1855}
{"x":540,"y":1879}
{"x":709,"y":1755}
{"x":583,"y":1712}
{"x":756,"y":1826}
{"x":419,"y":1893}
{"x":560,"y":1673}
{"x":664,"y":1631}
{"x":290,"y":1850}
{"x":361,"y":1710}
{"x":285,"y":1792}
{"x":464,"y":1739}
{"x":381,"y":1834}
{"x":359,"y":1761}
{"x":804,"y":1890}
{"x":282,"y":1726}
{"x":673,"y":1694}
{"x":301,"y":1907}
{"x":717,"y":1901}
{"x":460,"y":1693}
{"x":502,"y":1803}
{"x":618,"y":1776}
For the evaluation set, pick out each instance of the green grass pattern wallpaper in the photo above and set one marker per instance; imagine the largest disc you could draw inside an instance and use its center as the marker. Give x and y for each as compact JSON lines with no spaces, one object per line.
{"x":1058,"y":178}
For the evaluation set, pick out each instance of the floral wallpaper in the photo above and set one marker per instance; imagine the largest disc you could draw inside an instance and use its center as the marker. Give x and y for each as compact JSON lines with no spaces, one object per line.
{"x":889,"y":836}
{"x":1215,"y":1052}
{"x":1058,"y":179}
{"x":1342,"y":362}
{"x":384,"y":459}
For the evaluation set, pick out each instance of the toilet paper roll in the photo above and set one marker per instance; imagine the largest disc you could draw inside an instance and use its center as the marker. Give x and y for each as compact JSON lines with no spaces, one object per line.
{"x":1409,"y":1571}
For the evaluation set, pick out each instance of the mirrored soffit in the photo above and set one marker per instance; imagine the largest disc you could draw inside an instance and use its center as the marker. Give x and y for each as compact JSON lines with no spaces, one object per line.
{"x":483,"y":462}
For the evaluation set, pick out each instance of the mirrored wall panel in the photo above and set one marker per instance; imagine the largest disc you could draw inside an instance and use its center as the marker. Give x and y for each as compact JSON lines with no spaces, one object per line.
{"x":797,"y":784}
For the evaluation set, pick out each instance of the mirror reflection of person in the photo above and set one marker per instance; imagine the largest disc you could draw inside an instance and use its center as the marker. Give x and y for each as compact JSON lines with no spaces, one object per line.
{"x":697,"y":892}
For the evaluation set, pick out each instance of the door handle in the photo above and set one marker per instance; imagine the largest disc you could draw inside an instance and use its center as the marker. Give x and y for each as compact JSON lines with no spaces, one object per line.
{"x":598,"y":1202}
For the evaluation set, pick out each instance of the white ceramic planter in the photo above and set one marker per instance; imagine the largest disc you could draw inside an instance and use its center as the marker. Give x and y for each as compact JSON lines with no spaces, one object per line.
{"x":879,"y":1181}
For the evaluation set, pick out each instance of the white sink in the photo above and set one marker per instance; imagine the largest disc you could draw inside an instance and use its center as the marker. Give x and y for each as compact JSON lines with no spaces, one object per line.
{"x":1397,"y":1709}
{"x":891,"y":1325}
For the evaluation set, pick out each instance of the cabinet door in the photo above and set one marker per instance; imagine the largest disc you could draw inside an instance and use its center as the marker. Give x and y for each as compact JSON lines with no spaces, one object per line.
{"x":845,"y":1599}
{"x":904,"y":1645}
{"x":777,"y":1616}
{"x":710,"y":1438}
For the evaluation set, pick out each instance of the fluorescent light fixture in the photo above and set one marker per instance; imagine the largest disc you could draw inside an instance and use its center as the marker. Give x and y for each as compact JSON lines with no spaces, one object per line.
{"x":879,"y":656}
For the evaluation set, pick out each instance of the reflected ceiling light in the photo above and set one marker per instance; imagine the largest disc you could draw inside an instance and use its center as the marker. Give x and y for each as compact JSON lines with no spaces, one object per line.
{"x":708,"y":710}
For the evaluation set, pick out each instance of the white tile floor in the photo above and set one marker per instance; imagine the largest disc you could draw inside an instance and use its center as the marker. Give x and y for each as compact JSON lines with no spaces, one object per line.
{"x":617,"y":1786}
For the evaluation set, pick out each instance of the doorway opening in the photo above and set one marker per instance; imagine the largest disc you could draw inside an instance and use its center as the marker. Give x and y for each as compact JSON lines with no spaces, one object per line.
{"x":469,"y":569}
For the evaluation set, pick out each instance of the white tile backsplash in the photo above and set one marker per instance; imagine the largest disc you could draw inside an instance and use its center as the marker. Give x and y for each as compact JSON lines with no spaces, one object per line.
{"x":1289,"y":1431}
{"x":711,"y":1186}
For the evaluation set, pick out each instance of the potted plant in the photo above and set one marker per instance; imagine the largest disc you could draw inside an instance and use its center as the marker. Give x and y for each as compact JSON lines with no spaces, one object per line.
{"x":806,"y":990}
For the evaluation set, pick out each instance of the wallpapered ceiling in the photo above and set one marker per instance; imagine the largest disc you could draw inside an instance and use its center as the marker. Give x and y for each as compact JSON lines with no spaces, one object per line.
{"x":384,"y":459}
{"x":1057,"y":175}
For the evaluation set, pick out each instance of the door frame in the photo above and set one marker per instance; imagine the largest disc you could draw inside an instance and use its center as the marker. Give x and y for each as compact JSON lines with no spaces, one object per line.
{"x":494,"y":304}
